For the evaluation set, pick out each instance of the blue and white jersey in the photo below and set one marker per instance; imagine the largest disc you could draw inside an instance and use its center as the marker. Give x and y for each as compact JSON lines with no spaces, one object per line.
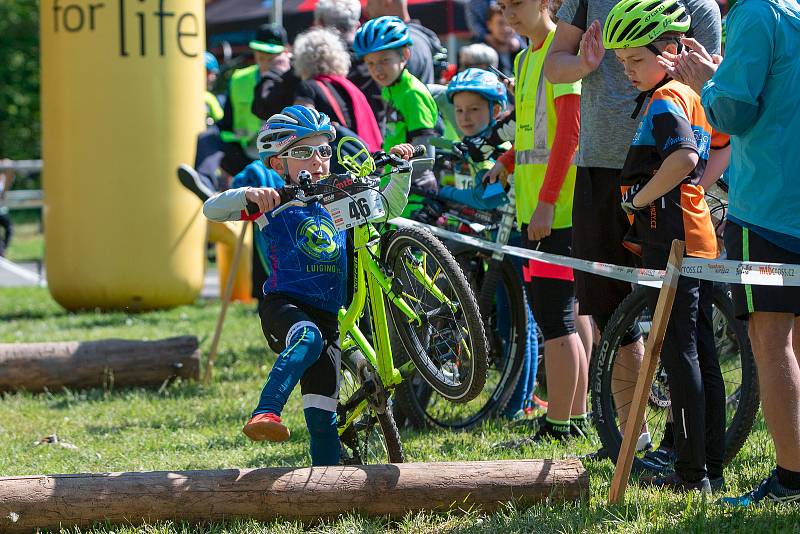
{"x":307,"y":257}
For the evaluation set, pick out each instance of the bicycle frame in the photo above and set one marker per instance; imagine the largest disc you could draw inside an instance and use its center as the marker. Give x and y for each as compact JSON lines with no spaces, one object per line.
{"x":371,"y":281}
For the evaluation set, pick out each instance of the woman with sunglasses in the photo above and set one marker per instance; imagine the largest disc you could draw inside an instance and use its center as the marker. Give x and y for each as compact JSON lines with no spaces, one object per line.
{"x":307,"y":280}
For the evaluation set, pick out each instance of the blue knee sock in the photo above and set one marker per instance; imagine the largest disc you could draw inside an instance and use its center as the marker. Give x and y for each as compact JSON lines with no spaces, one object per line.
{"x":303,"y":349}
{"x":324,"y":436}
{"x":533,"y":347}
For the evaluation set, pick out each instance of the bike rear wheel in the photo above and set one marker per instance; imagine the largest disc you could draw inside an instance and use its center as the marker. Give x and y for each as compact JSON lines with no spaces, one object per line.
{"x":448,"y":346}
{"x":423,"y":406}
{"x":736,"y":361}
{"x":372,"y":437}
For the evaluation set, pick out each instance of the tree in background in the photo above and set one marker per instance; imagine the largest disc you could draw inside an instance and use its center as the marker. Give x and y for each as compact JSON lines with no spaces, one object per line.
{"x":20,"y":122}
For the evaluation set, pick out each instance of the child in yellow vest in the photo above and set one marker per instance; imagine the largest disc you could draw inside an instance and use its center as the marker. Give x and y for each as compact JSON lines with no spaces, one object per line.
{"x":546,"y":125}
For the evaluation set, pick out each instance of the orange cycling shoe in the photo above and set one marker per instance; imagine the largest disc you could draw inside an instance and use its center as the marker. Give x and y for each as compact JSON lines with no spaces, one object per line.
{"x":266,"y":427}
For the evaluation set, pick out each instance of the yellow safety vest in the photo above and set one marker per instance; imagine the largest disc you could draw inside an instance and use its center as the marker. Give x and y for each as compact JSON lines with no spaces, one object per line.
{"x":213,"y":110}
{"x":535,"y":130}
{"x":245,"y":124}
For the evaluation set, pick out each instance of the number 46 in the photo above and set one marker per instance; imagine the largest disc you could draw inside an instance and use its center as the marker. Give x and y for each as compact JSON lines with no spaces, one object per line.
{"x":359,"y":208}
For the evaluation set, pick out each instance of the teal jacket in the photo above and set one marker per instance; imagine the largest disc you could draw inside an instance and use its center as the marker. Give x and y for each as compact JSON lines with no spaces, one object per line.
{"x":755,"y":97}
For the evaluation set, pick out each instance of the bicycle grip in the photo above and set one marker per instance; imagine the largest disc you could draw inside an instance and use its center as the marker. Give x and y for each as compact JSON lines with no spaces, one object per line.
{"x":419,"y":151}
{"x":286,"y":194}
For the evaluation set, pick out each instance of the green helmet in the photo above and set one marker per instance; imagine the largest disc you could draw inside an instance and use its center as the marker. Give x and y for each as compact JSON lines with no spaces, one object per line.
{"x":634,"y":23}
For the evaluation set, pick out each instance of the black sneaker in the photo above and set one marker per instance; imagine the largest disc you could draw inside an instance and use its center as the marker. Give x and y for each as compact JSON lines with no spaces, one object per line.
{"x":717,"y":484}
{"x":192,"y":181}
{"x":674,"y":482}
{"x":548,"y":432}
{"x":661,"y":459}
{"x":545,"y":433}
{"x":770,"y":490}
{"x":596,"y":456}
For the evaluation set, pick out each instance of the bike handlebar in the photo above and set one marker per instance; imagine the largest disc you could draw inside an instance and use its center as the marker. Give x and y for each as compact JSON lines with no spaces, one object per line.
{"x":306,"y":192}
{"x":381,"y":158}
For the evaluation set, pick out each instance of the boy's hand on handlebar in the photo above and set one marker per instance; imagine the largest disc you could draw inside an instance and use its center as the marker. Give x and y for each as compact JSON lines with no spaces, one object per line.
{"x":404,"y":150}
{"x":498,"y":172}
{"x":266,"y":198}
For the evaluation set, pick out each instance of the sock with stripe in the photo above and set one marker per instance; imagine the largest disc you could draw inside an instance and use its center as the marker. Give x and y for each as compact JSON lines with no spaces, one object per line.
{"x":560,"y":427}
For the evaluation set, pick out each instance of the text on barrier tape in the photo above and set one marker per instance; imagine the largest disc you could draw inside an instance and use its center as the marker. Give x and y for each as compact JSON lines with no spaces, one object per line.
{"x":728,"y":271}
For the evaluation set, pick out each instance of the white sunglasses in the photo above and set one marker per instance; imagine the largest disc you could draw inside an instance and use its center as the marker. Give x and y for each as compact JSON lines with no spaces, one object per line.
{"x":307,"y":151}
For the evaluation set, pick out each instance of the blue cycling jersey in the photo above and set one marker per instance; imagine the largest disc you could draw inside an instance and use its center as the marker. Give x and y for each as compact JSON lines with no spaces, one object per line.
{"x":307,"y":257}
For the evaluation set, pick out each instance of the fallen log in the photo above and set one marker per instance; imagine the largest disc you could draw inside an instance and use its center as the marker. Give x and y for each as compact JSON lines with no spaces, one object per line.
{"x":108,"y":363}
{"x":307,"y":494}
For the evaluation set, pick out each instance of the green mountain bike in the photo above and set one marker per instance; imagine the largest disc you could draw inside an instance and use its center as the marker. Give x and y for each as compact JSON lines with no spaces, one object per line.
{"x":407,"y":277}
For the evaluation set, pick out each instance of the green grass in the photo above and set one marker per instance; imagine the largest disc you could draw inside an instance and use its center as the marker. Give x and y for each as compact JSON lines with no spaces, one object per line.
{"x":188,"y":426}
{"x":27,"y":243}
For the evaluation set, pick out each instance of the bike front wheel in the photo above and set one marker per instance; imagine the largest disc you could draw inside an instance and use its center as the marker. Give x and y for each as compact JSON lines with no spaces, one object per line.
{"x":372,"y":436}
{"x":506,"y":321}
{"x":448,"y":343}
{"x":613,"y":382}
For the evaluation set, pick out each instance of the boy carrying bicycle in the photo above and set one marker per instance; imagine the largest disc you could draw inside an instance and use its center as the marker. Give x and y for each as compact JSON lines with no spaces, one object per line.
{"x":306,"y":278}
{"x":664,"y":164}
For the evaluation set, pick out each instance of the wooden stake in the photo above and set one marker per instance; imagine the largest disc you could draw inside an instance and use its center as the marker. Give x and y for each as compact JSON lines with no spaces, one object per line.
{"x":226,"y":299}
{"x":652,"y":352}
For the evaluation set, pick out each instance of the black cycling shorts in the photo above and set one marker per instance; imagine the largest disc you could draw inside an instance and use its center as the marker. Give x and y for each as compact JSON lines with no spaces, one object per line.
{"x":552,"y":300}
{"x":281,"y":316}
{"x":599,"y":227}
{"x":743,"y":244}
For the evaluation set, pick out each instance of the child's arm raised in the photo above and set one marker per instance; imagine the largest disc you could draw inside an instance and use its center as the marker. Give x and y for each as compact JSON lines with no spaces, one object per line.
{"x":396,"y":191}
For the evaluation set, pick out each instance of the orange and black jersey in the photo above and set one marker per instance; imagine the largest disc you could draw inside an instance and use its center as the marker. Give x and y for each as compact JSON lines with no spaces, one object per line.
{"x":673,"y":119}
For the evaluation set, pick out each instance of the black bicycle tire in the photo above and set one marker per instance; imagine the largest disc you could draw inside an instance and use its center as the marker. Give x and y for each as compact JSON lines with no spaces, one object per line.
{"x":407,"y":394}
{"x":391,"y":435}
{"x":603,"y":412}
{"x":518,"y":300}
{"x":491,"y":279}
{"x":468,"y":306}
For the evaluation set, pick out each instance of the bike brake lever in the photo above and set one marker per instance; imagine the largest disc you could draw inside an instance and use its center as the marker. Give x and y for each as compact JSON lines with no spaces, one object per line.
{"x":300,"y":201}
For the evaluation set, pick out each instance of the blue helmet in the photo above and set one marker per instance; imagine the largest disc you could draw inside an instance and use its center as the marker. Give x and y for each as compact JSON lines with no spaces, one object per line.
{"x":382,"y":33}
{"x":291,"y":125}
{"x":479,"y":81}
{"x":211,"y":62}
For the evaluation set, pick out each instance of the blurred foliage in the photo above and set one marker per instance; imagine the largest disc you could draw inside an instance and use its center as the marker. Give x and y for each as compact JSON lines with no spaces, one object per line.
{"x":20,"y":123}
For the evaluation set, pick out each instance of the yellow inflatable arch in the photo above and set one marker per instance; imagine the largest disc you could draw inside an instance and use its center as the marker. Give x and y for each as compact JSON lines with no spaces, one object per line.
{"x":122,"y":104}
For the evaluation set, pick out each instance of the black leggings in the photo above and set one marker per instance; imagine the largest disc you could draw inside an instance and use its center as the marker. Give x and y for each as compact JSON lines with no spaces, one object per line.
{"x":697,"y":390}
{"x":552,"y":300}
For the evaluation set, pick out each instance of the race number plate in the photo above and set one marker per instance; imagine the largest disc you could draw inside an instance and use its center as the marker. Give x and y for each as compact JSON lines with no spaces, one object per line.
{"x":354,"y":207}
